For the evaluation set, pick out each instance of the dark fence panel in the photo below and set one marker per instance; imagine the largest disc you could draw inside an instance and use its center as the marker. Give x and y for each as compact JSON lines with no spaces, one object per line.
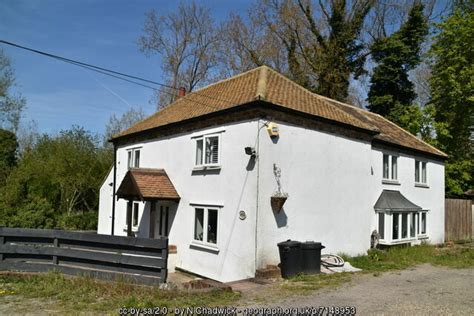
{"x":140,"y":260}
{"x":458,"y":220}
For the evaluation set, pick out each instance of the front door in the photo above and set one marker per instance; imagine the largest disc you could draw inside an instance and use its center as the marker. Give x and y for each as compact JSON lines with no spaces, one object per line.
{"x":162,"y":219}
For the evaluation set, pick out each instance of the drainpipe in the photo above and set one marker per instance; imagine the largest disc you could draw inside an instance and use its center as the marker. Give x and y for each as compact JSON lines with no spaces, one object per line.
{"x":114,"y":189}
{"x":258,"y":189}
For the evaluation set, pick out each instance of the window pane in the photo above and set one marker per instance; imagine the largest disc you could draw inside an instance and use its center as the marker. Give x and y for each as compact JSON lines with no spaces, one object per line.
{"x":404,"y":225}
{"x":137,"y":159}
{"x":385,"y":166}
{"x":212,"y":150}
{"x":129,"y":163}
{"x":212,"y":226}
{"x":395,"y":226}
{"x":199,"y":224}
{"x":417,"y":223}
{"x":135,"y":214}
{"x":382,"y":225}
{"x":423,"y":172}
{"x":199,"y":152}
{"x":394,"y":168}
{"x":412,"y":224}
{"x":423,"y":223}
{"x":417,"y":171}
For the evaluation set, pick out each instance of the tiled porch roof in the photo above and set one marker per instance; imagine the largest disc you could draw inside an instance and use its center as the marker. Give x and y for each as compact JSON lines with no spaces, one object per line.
{"x":147,"y":184}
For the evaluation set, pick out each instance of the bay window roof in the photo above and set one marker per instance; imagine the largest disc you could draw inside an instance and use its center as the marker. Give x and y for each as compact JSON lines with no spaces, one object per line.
{"x":394,"y":201}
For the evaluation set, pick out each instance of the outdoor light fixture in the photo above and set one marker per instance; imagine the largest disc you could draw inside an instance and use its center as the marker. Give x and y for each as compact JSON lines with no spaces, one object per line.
{"x":251,"y":151}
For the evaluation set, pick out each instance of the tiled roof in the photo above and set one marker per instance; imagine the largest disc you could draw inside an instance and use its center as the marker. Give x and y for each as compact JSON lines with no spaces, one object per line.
{"x":147,"y":184}
{"x":389,"y":132}
{"x":267,"y":85}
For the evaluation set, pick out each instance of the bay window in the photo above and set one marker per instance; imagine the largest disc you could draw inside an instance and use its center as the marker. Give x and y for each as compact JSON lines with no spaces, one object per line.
{"x":402,"y":226}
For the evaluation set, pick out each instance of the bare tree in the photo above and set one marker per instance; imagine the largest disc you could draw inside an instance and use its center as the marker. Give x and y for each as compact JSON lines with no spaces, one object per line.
{"x":187,"y":42}
{"x":119,"y":124}
{"x":11,"y":106}
{"x":388,"y":15}
{"x":27,"y":135}
{"x":248,"y":43}
{"x":323,"y":42}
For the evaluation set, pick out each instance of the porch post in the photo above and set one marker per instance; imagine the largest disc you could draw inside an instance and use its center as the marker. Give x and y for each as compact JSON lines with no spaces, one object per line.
{"x":129,"y":217}
{"x":152,"y":219}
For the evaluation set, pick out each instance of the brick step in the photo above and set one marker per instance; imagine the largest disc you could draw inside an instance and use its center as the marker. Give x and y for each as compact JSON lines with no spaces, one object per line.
{"x":269,"y":272}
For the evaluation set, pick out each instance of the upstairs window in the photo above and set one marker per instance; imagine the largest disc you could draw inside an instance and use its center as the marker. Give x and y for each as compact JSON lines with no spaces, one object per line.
{"x":133,"y":158}
{"x":390,"y":167}
{"x":207,"y":150}
{"x":420,"y":172}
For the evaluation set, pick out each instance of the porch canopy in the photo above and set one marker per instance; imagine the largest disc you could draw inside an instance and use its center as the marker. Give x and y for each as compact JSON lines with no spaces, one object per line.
{"x":394,"y":201}
{"x":145,"y":184}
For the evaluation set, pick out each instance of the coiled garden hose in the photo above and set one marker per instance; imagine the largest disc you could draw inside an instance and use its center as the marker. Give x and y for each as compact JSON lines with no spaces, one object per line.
{"x":331,"y":261}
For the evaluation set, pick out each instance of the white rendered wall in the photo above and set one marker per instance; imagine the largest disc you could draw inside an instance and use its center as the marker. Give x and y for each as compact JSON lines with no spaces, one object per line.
{"x":327,"y":178}
{"x":431,"y":198}
{"x":104,"y":225}
{"x":233,"y":187}
{"x":333,"y":183}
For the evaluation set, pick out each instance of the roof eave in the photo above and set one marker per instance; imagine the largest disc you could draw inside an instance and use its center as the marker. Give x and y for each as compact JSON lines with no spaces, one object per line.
{"x":241,"y":107}
{"x":411,"y":149}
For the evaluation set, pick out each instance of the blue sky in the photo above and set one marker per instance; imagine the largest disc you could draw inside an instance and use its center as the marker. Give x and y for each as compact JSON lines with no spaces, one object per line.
{"x":99,"y":32}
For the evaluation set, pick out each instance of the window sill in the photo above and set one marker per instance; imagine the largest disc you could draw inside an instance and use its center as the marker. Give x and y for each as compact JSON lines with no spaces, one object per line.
{"x":422,"y":185}
{"x":397,"y":242}
{"x":392,"y":182}
{"x":423,"y":236}
{"x":134,"y":229}
{"x":204,"y":246}
{"x":202,"y":168}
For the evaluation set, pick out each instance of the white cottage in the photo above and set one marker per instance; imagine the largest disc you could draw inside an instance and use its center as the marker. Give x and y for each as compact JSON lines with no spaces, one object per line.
{"x":203,"y":171}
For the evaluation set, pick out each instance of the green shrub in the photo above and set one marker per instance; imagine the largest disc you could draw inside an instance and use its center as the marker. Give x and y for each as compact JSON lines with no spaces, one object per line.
{"x":78,"y":221}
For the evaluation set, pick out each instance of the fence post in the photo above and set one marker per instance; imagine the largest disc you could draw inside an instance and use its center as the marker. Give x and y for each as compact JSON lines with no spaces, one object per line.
{"x":2,"y":242}
{"x":56,"y":245}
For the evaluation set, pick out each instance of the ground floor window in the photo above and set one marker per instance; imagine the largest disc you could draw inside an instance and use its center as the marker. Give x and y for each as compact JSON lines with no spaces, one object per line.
{"x":135,"y":216}
{"x":206,"y":225}
{"x":135,"y":209}
{"x":402,"y":225}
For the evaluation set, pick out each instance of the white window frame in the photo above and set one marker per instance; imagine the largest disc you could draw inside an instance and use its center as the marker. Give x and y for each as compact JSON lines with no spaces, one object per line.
{"x":204,"y":243}
{"x":420,"y":216}
{"x":131,"y":153}
{"x":134,"y":227}
{"x":203,"y":153}
{"x":135,"y":210}
{"x":391,"y":179}
{"x":388,"y":227}
{"x":419,"y":164}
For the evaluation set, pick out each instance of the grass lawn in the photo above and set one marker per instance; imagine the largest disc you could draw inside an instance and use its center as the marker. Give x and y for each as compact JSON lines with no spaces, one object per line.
{"x":87,"y":294}
{"x":395,"y":258}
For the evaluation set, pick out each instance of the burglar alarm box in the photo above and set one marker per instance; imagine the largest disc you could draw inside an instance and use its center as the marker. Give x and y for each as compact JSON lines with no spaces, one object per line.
{"x":272,"y":129}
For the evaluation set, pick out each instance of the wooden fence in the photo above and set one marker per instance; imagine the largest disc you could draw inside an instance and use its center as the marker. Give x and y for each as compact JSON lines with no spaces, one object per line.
{"x":139,"y":260}
{"x":458,"y":220}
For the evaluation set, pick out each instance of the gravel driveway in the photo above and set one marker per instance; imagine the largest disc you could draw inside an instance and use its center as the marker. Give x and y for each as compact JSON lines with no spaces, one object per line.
{"x":423,"y":290}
